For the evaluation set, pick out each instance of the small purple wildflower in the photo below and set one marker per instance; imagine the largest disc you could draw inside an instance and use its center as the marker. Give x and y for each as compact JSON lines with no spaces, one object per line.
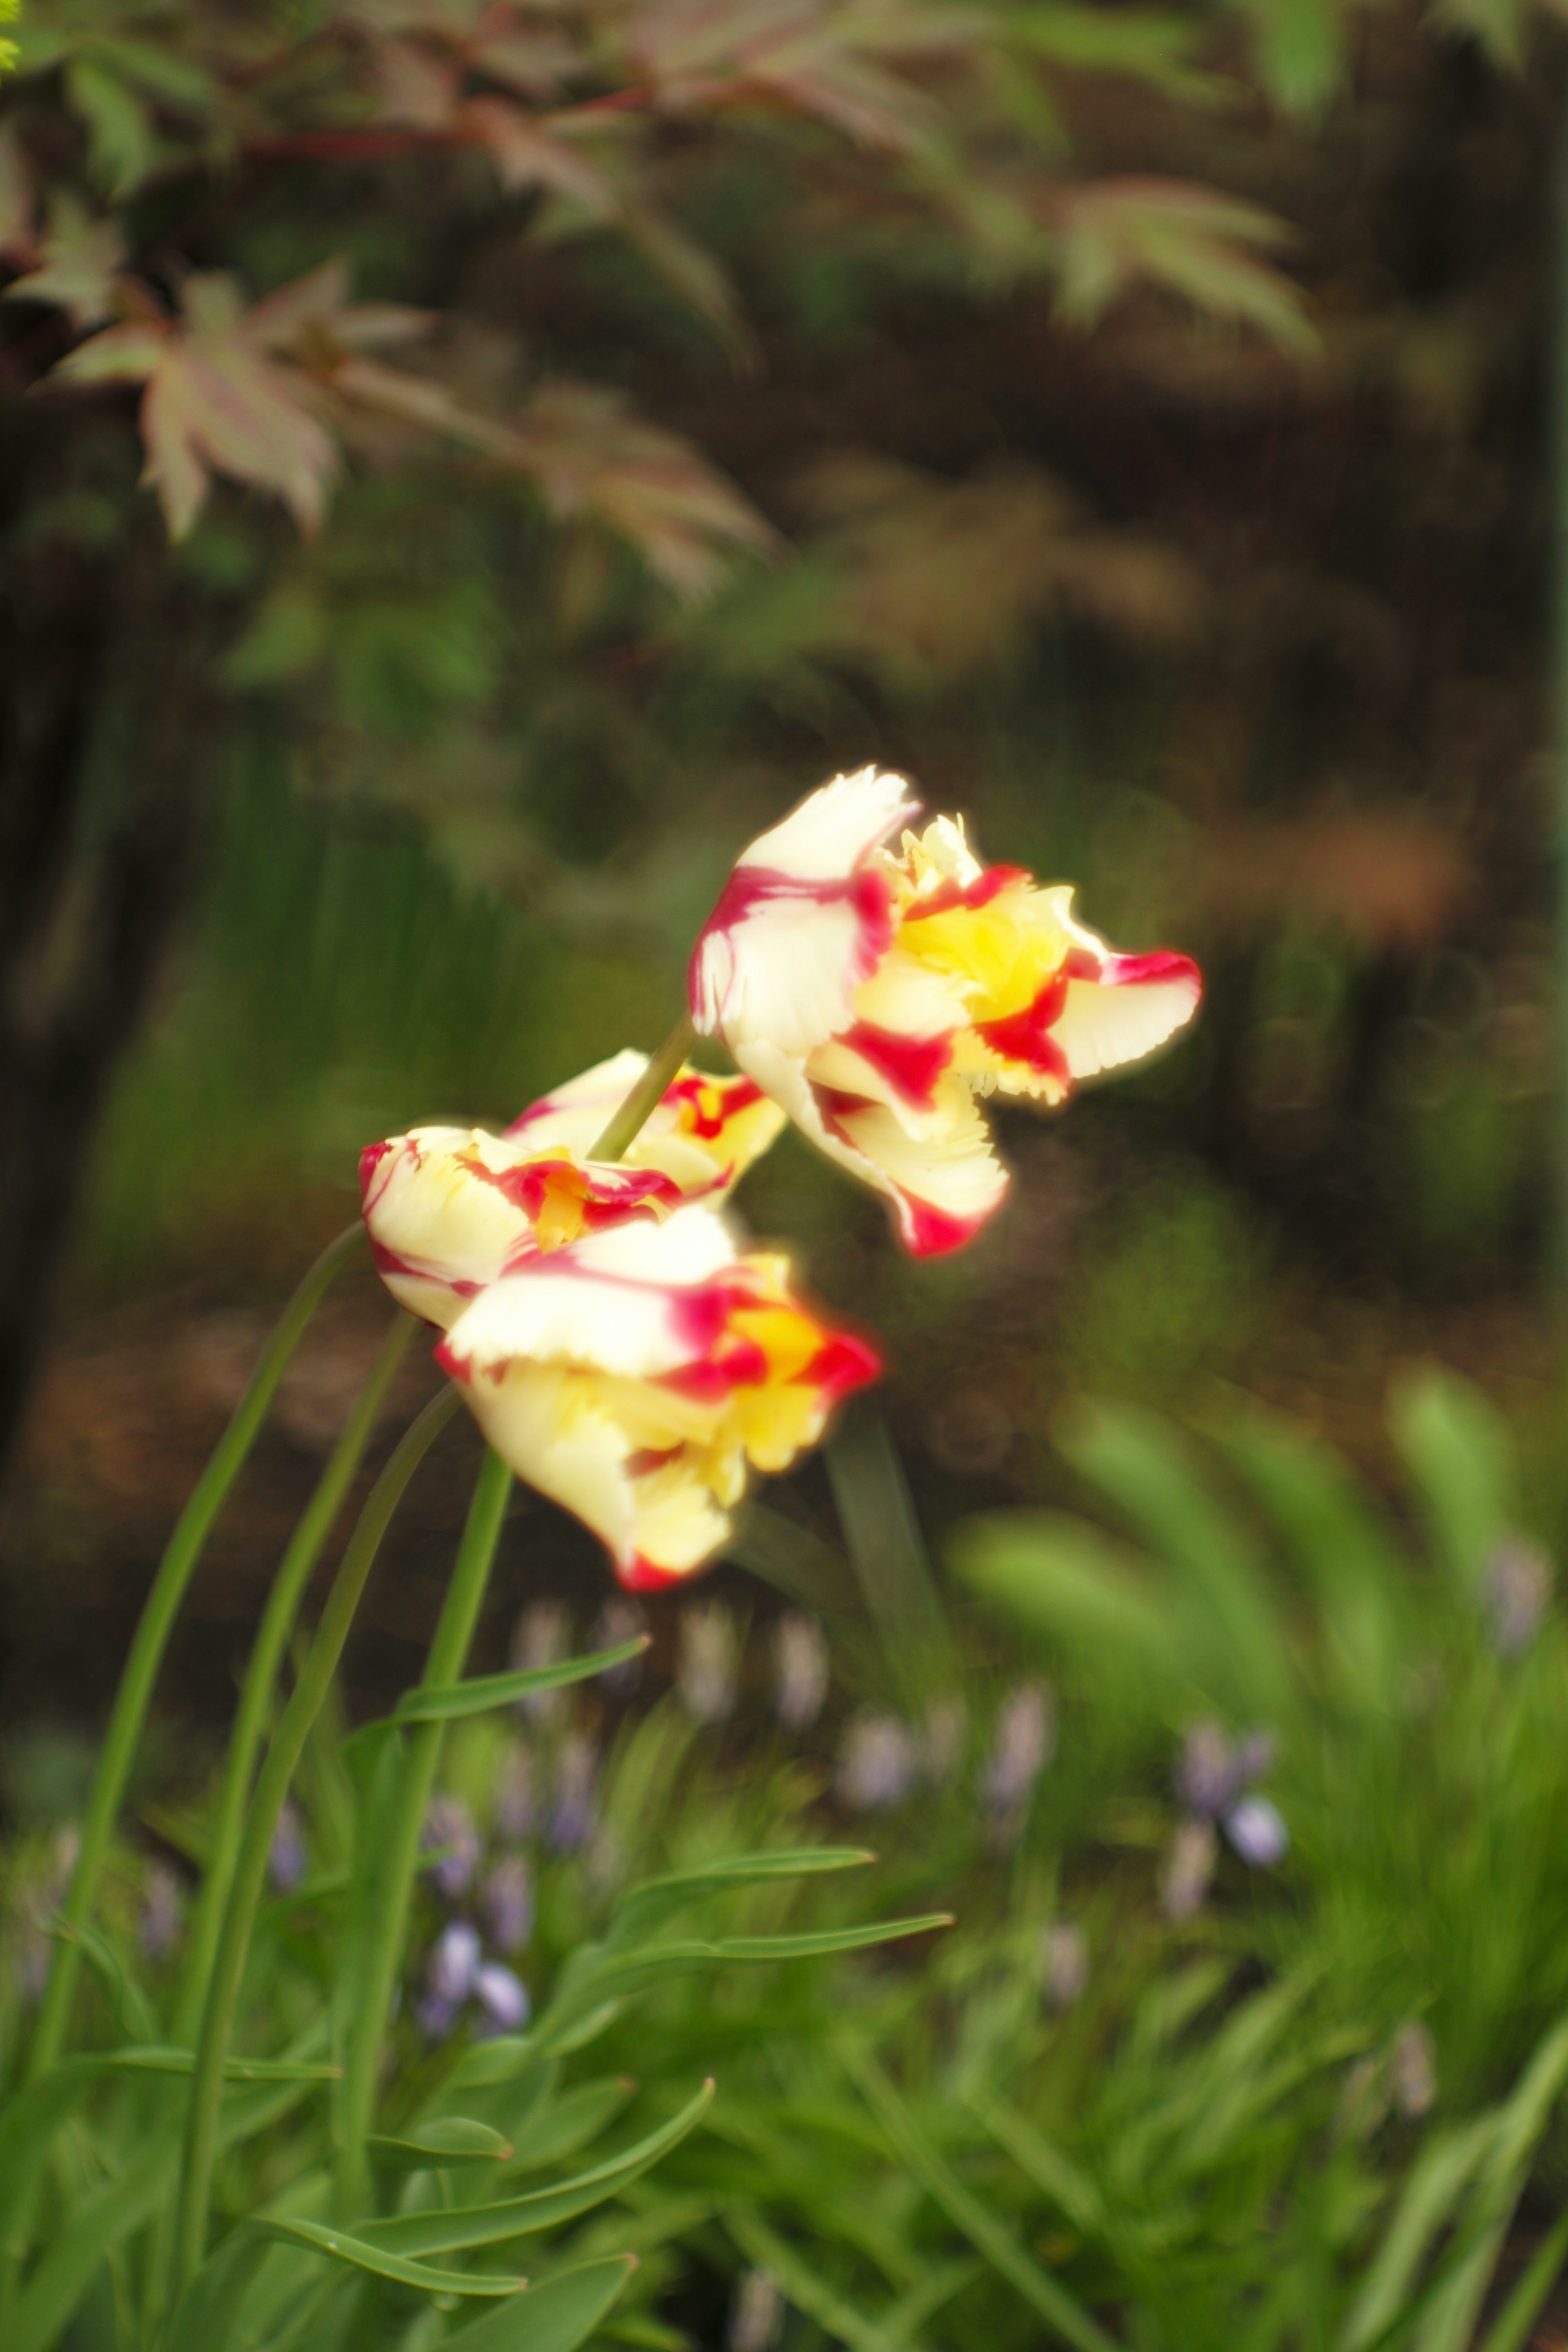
{"x":1214,"y":1782}
{"x":619,"y":1620}
{"x":163,"y":1904}
{"x":942,"y":1738}
{"x":1189,"y":1868}
{"x":289,"y":1856}
{"x":571,"y":1813}
{"x":709,"y":1662}
{"x":800,"y":1663}
{"x":1515,"y":1591}
{"x":1256,"y":1828}
{"x":1026,"y":1741}
{"x":1064,"y":1965}
{"x":541,"y":1637}
{"x":878,"y":1764}
{"x":1412,"y":2071}
{"x":516,"y":1797}
{"x":509,"y":1903}
{"x":502,"y":1996}
{"x":455,"y":1961}
{"x":756,"y":2314}
{"x":450,"y":1835}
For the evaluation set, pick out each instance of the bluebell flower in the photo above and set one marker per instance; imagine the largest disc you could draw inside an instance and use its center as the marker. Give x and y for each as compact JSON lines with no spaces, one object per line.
{"x":289,"y":1856}
{"x":877,"y":1765}
{"x":450,"y":1837}
{"x":509,"y":1903}
{"x":571,"y":1809}
{"x":800,"y":1664}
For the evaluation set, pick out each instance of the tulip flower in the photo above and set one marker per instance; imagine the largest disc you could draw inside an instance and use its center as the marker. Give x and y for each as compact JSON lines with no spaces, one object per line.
{"x":875,"y":994}
{"x":636,"y":1374}
{"x":451,"y":1209}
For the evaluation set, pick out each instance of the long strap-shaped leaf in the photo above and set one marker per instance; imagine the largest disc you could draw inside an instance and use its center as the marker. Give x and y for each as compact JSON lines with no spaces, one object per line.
{"x":517,"y":2217}
{"x":987,"y":2234}
{"x":321,"y":2239}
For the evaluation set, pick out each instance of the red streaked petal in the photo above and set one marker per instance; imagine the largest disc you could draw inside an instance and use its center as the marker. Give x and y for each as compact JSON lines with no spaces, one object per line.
{"x":978,"y":893}
{"x":640,"y":1575}
{"x":911,"y":1065}
{"x":841,"y":1365}
{"x":932,"y":1232}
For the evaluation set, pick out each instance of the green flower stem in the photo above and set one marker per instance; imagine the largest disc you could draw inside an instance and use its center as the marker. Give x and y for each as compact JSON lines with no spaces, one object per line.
{"x":146,"y":1654}
{"x":398,"y":1839}
{"x":261,"y":1673}
{"x":644,"y":1097}
{"x":272,"y":1787}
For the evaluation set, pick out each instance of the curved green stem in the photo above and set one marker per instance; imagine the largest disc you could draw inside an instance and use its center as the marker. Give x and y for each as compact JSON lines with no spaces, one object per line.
{"x":261,"y":1673}
{"x":272,"y":1787}
{"x":645,"y":1096}
{"x":397,"y":1851}
{"x":146,"y":1654}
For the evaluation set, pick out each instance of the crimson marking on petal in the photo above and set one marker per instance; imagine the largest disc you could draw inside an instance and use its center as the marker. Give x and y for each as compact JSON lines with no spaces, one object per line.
{"x":933,"y":1232}
{"x":1026,"y":1037}
{"x":750,"y":888}
{"x":743,"y":1365}
{"x":387,"y":1262}
{"x":640,"y":1575}
{"x":911,"y":1065}
{"x":456,"y":1368}
{"x":972,"y":895}
{"x":1161,"y":967}
{"x":735,"y":1095}
{"x":841,"y":1364}
{"x":370,"y":1160}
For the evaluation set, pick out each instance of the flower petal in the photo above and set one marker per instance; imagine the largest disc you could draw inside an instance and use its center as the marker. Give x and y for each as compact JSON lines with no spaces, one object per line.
{"x":829,"y":833}
{"x":1136,"y":1003}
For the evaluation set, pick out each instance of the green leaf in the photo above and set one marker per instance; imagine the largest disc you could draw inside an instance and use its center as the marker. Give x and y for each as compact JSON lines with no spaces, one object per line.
{"x":1337,"y":1541}
{"x":555,"y":2316}
{"x":100,"y":2222}
{"x":120,"y":143}
{"x":345,"y":2248}
{"x":567,"y":2124}
{"x":1065,"y":1578}
{"x":658,"y":1899}
{"x":1460,"y":1453}
{"x":448,"y":2139}
{"x":500,"y":2061}
{"x":516,"y":2217}
{"x":486,"y":1691}
{"x":1233,"y":1634}
{"x":840,"y":2319}
{"x":987,"y":2234}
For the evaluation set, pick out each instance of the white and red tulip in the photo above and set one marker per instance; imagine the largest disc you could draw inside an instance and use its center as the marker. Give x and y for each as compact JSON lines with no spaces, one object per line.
{"x":637,"y":1374}
{"x":451,"y":1210}
{"x":875,"y":994}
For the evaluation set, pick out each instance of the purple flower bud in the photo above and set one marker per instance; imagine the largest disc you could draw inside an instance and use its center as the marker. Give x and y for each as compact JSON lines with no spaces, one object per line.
{"x":1064,"y":1965}
{"x":509,"y":1903}
{"x":942,"y":1738}
{"x":1255,"y":1754}
{"x":709,"y":1659}
{"x":1026,"y":1738}
{"x":288,"y":1857}
{"x":435,"y":2017}
{"x":449,"y":1834}
{"x":515,"y":1796}
{"x":757,"y":2313}
{"x":800,"y":1663}
{"x":502,"y":1996}
{"x":1256,"y":1828}
{"x":571,"y":1813}
{"x":878,"y":1764}
{"x":1515,"y":1591}
{"x":1412,"y":2071}
{"x":455,"y":1963}
{"x":1206,"y":1778}
{"x":1189,"y":1869}
{"x":619,"y":1620}
{"x":541,"y":1637}
{"x":161,"y":1904}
